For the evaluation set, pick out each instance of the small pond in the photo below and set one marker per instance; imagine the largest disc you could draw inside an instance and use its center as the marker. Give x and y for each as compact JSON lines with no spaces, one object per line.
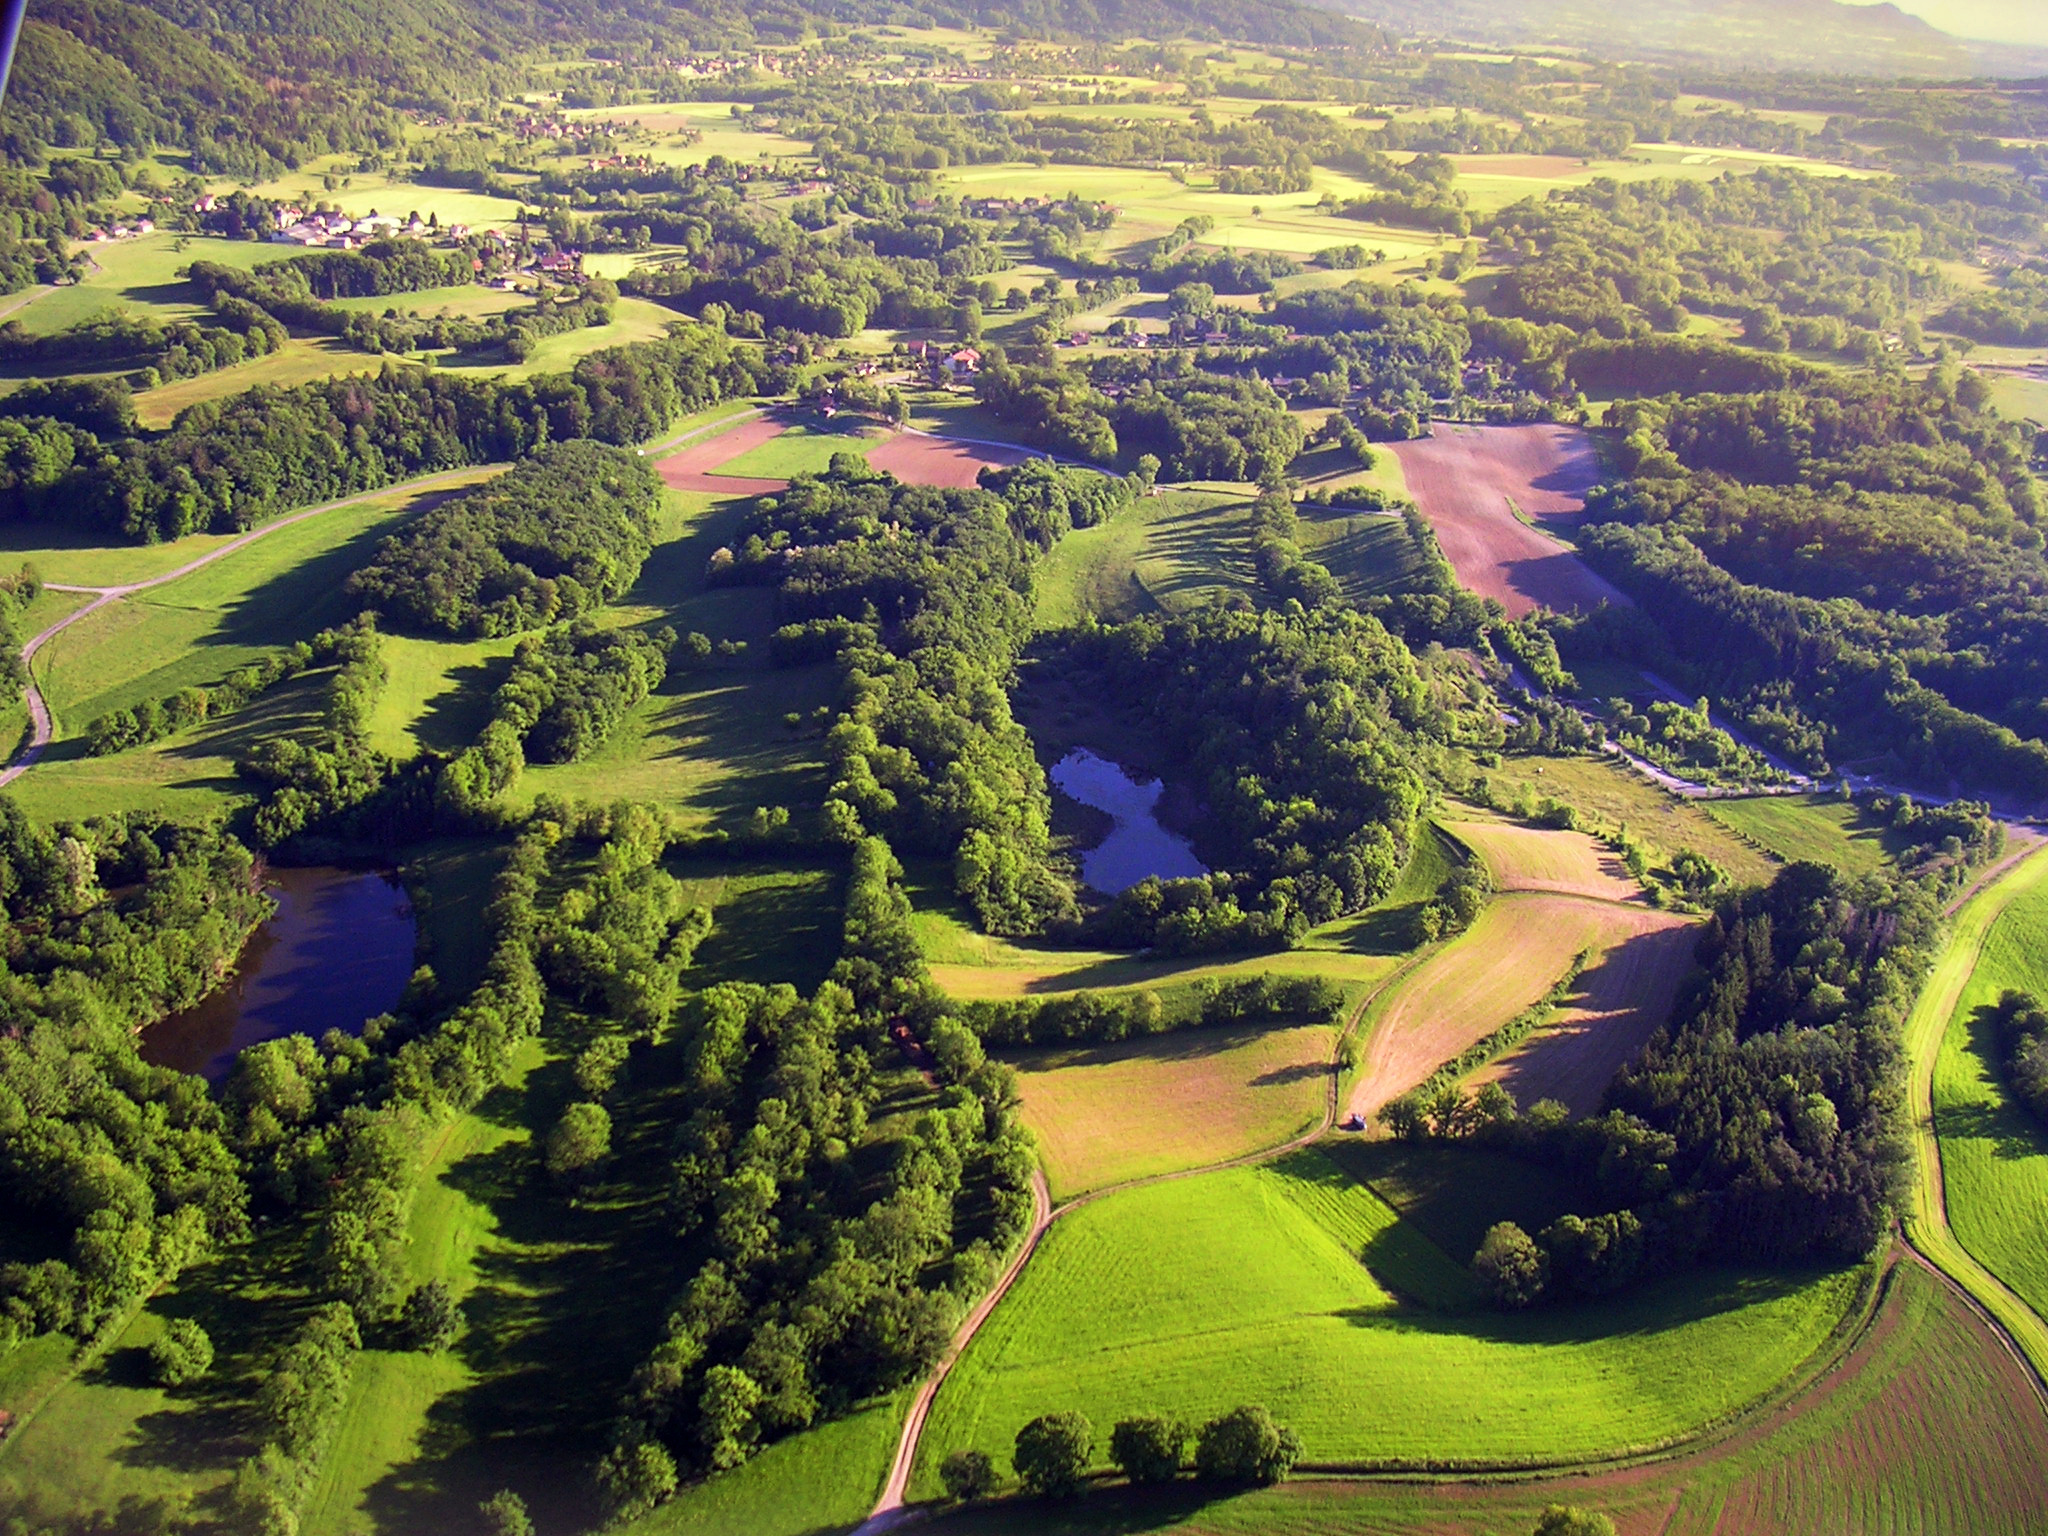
{"x":1137,"y":846}
{"x":339,"y":950}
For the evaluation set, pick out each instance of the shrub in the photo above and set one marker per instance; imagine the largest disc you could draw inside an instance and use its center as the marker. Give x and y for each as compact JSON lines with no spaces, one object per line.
{"x":968,"y":1475}
{"x":181,"y":1353}
{"x":505,"y":1514}
{"x":1052,"y":1453}
{"x":579,"y":1143}
{"x":429,"y":1320}
{"x":1510,"y":1266}
{"x":1149,"y":1450}
{"x":1569,"y":1520}
{"x":1246,"y":1446}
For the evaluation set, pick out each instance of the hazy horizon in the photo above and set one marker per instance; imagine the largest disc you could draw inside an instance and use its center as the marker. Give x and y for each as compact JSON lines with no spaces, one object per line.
{"x":1997,"y":21}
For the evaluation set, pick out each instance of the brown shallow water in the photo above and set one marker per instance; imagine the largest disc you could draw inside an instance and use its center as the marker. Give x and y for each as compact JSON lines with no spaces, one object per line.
{"x":338,"y":951}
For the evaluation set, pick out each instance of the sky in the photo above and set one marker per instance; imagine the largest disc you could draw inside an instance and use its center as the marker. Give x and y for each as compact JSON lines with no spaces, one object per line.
{"x":2000,"y":21}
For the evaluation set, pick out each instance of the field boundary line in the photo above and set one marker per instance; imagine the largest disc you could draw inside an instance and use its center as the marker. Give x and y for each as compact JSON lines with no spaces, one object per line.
{"x":43,"y":729}
{"x":1925,"y":1221}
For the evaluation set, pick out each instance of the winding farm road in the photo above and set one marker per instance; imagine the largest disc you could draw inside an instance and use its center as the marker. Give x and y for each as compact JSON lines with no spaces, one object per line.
{"x":42,"y":731}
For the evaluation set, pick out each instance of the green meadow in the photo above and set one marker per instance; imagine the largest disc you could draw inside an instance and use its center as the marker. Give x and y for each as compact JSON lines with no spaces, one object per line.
{"x":1296,"y":1286}
{"x":1994,"y":1153}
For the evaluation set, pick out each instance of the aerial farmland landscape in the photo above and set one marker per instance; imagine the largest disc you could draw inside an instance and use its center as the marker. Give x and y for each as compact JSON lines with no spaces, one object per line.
{"x":1019,"y":766}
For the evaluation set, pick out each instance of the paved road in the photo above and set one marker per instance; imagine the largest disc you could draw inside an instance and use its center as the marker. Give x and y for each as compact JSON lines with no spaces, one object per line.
{"x":41,"y":731}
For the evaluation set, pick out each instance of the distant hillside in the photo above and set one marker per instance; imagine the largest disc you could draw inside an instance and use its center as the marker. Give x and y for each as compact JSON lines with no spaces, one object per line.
{"x":1820,"y":35}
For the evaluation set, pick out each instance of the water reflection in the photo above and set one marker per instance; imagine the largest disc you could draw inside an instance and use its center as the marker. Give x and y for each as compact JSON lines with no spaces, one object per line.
{"x":1137,"y":846}
{"x":337,"y":952}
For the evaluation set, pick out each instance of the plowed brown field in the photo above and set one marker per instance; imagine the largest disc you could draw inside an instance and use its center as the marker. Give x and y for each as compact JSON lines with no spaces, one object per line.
{"x":1463,"y":478}
{"x":691,"y":469}
{"x":918,"y":459}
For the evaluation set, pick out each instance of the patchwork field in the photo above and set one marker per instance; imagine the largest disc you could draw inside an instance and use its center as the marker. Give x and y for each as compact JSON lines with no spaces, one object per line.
{"x":1621,"y":999}
{"x":1105,"y":1114}
{"x":1192,"y":1296}
{"x":1472,"y":482}
{"x":1520,"y":946}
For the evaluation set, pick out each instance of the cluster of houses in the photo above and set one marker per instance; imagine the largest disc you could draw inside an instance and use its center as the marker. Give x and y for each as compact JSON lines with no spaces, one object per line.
{"x":550,"y":126}
{"x":121,"y":229}
{"x":343,"y":232}
{"x":943,"y":364}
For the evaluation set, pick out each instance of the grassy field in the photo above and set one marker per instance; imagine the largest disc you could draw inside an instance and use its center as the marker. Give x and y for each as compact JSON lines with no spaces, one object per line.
{"x":1104,"y":1114}
{"x":1192,"y":1296}
{"x":1606,"y":793}
{"x":1818,"y":827}
{"x":1994,"y":1154}
{"x":770,"y":921}
{"x":1534,"y":859}
{"x":2020,"y":395}
{"x":1894,"y":1442}
{"x":804,"y":449}
{"x":1174,"y":550}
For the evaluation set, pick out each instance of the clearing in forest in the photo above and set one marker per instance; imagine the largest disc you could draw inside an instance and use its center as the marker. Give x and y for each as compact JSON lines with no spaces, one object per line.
{"x":1518,"y":949}
{"x":758,"y":457}
{"x":1471,"y":482}
{"x":1104,"y":1114}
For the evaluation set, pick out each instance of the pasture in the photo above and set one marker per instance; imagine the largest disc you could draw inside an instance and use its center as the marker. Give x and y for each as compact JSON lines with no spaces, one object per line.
{"x":1607,"y":794}
{"x":1822,"y":828}
{"x":1175,"y":550}
{"x":1895,"y":1440}
{"x":1994,"y":1153}
{"x":1537,"y":859}
{"x":803,"y":448}
{"x":1192,"y":1296}
{"x":1108,"y":1113}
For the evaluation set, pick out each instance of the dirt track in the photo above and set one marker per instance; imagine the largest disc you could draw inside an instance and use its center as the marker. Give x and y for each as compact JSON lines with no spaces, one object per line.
{"x":1464,"y":478}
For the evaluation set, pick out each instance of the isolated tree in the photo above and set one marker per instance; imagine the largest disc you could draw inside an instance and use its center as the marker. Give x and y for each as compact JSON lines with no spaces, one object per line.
{"x":1246,"y":1446}
{"x":1511,"y":1268}
{"x":579,"y":1143}
{"x":1149,"y":1450}
{"x":181,"y":1353}
{"x":1052,"y":1453}
{"x":505,"y":1514}
{"x":1570,"y":1520}
{"x":429,"y":1319}
{"x":968,"y":1475}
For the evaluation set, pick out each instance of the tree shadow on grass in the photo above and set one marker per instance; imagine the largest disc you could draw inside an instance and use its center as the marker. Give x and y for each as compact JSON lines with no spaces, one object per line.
{"x":453,"y":717}
{"x":2006,"y":1126}
{"x":568,"y":1300}
{"x":1113,"y":1510}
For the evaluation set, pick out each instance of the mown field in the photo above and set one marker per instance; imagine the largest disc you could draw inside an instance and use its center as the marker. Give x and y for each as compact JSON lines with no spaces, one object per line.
{"x":1927,"y":1429}
{"x":1191,"y":1296}
{"x":1537,"y":859}
{"x":1994,"y":1153}
{"x":1817,"y":827}
{"x":1105,"y":1114}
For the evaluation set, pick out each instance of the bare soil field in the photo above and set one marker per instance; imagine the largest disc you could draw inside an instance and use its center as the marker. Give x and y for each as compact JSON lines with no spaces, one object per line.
{"x":916,"y":458}
{"x":1104,"y":1114}
{"x":1533,"y":859}
{"x":1468,"y":481}
{"x":693,"y":468}
{"x":1533,"y":167}
{"x":1517,"y":950}
{"x":1622,"y":998}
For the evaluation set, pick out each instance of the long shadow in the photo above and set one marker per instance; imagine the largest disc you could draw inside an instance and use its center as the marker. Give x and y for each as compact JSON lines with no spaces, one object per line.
{"x":1105,"y":1511}
{"x":301,"y":601}
{"x":453,"y":717}
{"x":567,"y":1302}
{"x":2010,"y":1130}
